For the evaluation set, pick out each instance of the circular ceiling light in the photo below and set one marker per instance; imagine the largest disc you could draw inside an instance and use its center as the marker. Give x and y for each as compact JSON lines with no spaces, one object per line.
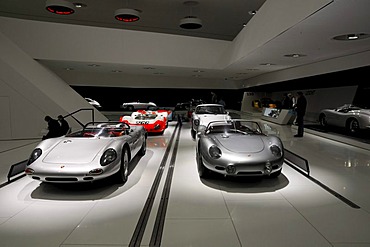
{"x":127,"y":15}
{"x":352,"y":36}
{"x":190,"y":22}
{"x":60,"y":7}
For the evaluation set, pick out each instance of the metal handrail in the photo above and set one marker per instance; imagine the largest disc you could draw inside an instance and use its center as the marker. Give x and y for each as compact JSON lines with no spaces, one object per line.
{"x":82,"y":109}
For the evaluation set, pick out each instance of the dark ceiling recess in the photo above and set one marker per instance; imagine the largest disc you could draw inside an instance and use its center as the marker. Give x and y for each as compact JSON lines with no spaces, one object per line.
{"x":349,"y":77}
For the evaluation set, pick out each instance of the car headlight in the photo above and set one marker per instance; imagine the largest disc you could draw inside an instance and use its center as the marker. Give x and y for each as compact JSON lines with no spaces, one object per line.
{"x":215,"y":152}
{"x":108,"y":157}
{"x":275,"y":150}
{"x":196,"y":122}
{"x":34,"y":156}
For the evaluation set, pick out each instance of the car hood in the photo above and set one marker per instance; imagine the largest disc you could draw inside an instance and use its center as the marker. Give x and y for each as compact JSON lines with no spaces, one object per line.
{"x":76,"y":150}
{"x":247,"y":144}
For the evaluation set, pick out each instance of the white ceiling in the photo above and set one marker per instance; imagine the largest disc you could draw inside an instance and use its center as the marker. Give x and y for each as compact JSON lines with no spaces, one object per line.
{"x":222,"y":20}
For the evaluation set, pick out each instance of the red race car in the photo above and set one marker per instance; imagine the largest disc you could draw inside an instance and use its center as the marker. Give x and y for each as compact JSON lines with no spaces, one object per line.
{"x":152,"y":121}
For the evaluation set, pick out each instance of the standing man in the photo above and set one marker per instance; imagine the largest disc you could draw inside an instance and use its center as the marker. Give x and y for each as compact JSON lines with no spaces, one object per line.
{"x":300,"y":108}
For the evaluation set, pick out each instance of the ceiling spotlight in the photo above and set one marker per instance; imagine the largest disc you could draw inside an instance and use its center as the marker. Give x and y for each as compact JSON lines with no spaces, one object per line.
{"x":127,"y":15}
{"x":190,"y":22}
{"x":294,"y":55}
{"x":352,"y":36}
{"x":252,"y":12}
{"x":60,"y":7}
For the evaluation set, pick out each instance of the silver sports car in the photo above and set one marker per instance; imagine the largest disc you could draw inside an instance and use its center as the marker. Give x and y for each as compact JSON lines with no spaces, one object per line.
{"x":351,"y":117}
{"x":97,"y":151}
{"x":237,"y":147}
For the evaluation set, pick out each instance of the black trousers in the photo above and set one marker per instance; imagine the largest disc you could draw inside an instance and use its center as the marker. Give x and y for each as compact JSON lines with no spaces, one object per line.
{"x":299,"y":121}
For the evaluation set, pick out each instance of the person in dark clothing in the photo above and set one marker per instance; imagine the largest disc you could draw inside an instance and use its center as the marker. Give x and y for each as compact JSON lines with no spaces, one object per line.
{"x":300,"y":108}
{"x":214,"y":98}
{"x":64,"y":126}
{"x":287,"y":102}
{"x":53,"y":127}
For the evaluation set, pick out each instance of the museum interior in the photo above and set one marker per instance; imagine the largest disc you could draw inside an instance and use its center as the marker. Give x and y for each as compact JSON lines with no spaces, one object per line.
{"x":141,"y":165}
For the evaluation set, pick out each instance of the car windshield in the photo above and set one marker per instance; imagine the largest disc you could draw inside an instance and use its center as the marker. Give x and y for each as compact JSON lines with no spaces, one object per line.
{"x":146,"y":116}
{"x":234,"y":126}
{"x":210,"y":110}
{"x":100,"y":131}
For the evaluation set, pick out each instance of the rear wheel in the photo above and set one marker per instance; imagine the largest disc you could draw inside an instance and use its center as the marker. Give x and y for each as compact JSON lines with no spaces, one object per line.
{"x":122,"y":174}
{"x":322,"y":120}
{"x":353,"y":126}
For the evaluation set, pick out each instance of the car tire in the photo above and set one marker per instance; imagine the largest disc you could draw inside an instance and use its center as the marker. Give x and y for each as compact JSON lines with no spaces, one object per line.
{"x":193,"y":134}
{"x":122,"y":174}
{"x":323,"y":121}
{"x":142,"y":150}
{"x":353,"y":126}
{"x":202,"y":170}
{"x":276,"y":174}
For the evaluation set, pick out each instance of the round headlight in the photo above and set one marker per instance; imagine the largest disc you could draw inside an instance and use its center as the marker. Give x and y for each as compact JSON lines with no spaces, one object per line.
{"x":196,"y":122}
{"x":215,"y":152}
{"x":275,"y":150}
{"x":34,"y":156}
{"x":108,"y":157}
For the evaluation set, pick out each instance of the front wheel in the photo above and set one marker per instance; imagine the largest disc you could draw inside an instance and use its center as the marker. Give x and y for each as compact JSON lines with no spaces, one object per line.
{"x":275,"y":174}
{"x":122,"y":174}
{"x":202,"y":170}
{"x":142,"y":150}
{"x":193,"y":134}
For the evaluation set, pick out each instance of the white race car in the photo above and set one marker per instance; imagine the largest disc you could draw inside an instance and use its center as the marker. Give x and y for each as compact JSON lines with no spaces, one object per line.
{"x":97,"y":151}
{"x":206,"y":113}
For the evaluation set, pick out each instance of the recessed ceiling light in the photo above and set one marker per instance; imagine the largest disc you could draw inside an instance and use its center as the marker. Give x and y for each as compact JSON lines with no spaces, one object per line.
{"x":127,"y":15}
{"x":294,"y":55}
{"x":93,"y":65}
{"x":148,"y":68}
{"x":80,"y":5}
{"x":198,"y":71}
{"x":352,"y":36}
{"x":267,"y":64}
{"x":252,"y":12}
{"x":59,"y":7}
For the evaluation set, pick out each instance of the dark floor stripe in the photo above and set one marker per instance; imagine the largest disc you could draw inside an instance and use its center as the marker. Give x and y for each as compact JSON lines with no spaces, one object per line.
{"x":143,"y":220}
{"x":162,"y":209}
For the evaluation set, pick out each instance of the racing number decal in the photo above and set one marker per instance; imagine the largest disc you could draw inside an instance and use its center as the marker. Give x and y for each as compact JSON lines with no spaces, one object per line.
{"x":142,"y":122}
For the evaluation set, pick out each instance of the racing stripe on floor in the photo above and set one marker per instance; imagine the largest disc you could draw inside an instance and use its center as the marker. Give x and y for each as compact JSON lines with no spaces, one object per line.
{"x":143,"y":220}
{"x":161,"y":213}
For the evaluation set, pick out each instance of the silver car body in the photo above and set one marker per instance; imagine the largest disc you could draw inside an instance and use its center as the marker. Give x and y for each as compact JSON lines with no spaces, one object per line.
{"x":238,"y":147}
{"x":206,"y":113}
{"x":77,"y":157}
{"x":93,"y":102}
{"x":349,"y":116}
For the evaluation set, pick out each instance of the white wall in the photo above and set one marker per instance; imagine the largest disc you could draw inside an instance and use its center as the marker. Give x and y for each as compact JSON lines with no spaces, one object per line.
{"x":29,"y":92}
